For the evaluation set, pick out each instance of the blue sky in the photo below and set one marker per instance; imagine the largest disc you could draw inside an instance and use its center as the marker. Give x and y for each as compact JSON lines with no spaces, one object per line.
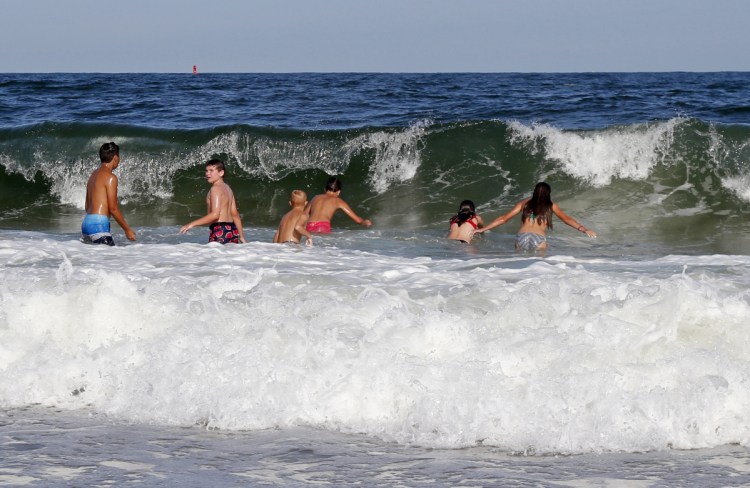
{"x":374,"y":35}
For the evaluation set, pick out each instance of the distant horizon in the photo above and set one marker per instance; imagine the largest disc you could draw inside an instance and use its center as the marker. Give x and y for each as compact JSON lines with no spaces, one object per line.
{"x":356,"y":72}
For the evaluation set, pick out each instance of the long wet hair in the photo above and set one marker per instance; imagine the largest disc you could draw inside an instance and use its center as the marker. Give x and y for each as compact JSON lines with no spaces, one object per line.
{"x":466,"y":211}
{"x":539,"y":206}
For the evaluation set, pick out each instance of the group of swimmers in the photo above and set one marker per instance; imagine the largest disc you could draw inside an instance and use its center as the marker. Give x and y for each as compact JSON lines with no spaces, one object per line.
{"x":536,"y":219}
{"x":222,"y":216}
{"x":305,"y":218}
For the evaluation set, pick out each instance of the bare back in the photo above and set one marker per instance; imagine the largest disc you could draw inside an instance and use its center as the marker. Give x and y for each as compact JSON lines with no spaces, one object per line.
{"x":99,"y":186}
{"x":292,"y":226}
{"x":221,"y":198}
{"x":323,"y":206}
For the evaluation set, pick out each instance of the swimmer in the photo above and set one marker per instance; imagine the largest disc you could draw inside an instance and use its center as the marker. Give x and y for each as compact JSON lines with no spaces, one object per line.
{"x":536,"y":218}
{"x":101,"y":200}
{"x":292,"y":225}
{"x":223,"y":218}
{"x":464,"y":224}
{"x":323,"y":206}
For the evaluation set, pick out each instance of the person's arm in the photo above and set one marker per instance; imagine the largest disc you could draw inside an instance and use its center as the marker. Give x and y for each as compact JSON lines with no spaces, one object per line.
{"x":348,"y":211}
{"x":214,"y":211}
{"x":114,"y":209}
{"x":301,"y":227}
{"x":571,"y":221}
{"x":504,"y":218}
{"x":237,"y":219}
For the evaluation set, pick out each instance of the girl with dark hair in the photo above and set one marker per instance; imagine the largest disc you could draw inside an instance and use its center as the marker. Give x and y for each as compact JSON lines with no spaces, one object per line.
{"x":464,"y":223}
{"x":536,"y":218}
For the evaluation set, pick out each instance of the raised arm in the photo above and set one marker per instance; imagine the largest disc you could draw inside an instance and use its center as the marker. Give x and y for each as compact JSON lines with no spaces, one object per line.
{"x":505,"y":218}
{"x":571,"y":221}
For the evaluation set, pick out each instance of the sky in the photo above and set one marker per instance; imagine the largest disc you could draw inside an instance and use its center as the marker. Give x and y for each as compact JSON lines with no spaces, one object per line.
{"x":255,"y":36}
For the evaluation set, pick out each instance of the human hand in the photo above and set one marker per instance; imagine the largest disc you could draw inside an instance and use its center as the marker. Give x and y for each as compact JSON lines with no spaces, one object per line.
{"x":366,"y":222}
{"x":587,"y":231}
{"x":308,"y":241}
{"x":185,"y":228}
{"x":130,"y":234}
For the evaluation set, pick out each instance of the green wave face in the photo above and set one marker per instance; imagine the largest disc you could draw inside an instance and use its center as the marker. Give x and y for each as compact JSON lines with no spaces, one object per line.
{"x":678,"y":178}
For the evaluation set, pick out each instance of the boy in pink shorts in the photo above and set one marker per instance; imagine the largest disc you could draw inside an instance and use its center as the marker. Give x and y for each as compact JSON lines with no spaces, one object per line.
{"x":323,"y":206}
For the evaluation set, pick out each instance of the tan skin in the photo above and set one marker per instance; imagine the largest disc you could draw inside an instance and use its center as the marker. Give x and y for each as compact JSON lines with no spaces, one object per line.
{"x":322,"y":208}
{"x":533,"y":226}
{"x":101,"y":195}
{"x":292,"y":226}
{"x":220,"y":203}
{"x":465,"y":232}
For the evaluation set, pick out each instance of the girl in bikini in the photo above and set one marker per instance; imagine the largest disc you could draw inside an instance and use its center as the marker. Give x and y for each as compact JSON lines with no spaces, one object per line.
{"x":464,"y":223}
{"x":536,"y":218}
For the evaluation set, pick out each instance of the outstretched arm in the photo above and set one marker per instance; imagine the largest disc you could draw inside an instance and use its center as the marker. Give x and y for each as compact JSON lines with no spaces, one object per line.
{"x":348,"y":211}
{"x":505,"y":218}
{"x":571,"y":221}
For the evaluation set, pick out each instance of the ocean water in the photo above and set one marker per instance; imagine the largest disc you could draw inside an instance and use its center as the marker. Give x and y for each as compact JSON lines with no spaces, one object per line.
{"x":385,"y":356}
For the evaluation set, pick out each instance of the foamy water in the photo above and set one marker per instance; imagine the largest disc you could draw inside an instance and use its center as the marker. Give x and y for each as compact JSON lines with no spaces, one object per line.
{"x":556,"y":354}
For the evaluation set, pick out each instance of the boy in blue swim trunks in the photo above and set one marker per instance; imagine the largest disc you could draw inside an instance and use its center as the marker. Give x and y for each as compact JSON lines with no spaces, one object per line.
{"x":224,"y":220}
{"x":101,"y":200}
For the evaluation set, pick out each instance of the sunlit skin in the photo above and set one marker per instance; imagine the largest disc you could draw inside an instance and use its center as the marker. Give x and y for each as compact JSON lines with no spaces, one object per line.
{"x":322,"y":208}
{"x":220,"y":203}
{"x":292,"y":225}
{"x":101,"y":195}
{"x":537,"y":226}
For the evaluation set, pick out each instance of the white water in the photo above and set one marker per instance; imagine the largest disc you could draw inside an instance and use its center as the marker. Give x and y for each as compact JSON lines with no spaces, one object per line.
{"x":553,"y":355}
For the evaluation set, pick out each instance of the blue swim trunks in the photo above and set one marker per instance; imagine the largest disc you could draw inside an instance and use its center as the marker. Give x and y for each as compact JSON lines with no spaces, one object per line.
{"x":95,"y":230}
{"x":528,"y":241}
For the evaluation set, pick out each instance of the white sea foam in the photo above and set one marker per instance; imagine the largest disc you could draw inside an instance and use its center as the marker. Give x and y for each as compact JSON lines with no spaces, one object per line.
{"x":599,"y":156}
{"x":554,"y":355}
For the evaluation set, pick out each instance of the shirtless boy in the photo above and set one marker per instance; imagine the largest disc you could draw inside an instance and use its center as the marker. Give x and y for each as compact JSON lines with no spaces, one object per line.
{"x":101,"y":200}
{"x":322,"y":208}
{"x":292,"y":226}
{"x":223,"y":218}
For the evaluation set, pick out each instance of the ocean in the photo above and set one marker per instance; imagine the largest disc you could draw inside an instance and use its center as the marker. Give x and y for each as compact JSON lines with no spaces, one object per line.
{"x":386,"y":356}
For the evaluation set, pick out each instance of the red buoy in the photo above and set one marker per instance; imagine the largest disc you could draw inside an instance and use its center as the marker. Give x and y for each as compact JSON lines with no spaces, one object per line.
{"x":195,"y":69}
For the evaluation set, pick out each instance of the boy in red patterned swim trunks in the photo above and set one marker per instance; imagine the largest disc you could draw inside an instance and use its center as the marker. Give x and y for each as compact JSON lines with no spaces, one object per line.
{"x":322,"y":208}
{"x":223,"y":218}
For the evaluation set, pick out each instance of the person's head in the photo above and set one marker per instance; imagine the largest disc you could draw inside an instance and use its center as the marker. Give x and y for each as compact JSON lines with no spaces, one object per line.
{"x":214,"y":170}
{"x":540,"y":205}
{"x":467,"y":206}
{"x":466,"y":211}
{"x":298,"y":198}
{"x":542,"y":193}
{"x":333,"y":184}
{"x":108,"y":152}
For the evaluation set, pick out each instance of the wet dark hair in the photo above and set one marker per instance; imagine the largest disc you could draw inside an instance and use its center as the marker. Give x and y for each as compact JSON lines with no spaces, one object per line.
{"x":108,"y":152}
{"x":466,"y":211}
{"x":539,"y":206}
{"x":333,"y":184}
{"x":217,"y":163}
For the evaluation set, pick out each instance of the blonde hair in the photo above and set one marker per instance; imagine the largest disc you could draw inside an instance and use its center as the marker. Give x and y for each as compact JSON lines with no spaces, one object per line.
{"x":298,"y":197}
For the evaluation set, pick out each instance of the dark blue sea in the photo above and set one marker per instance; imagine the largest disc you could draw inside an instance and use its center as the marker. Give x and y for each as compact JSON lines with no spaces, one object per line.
{"x":385,"y":356}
